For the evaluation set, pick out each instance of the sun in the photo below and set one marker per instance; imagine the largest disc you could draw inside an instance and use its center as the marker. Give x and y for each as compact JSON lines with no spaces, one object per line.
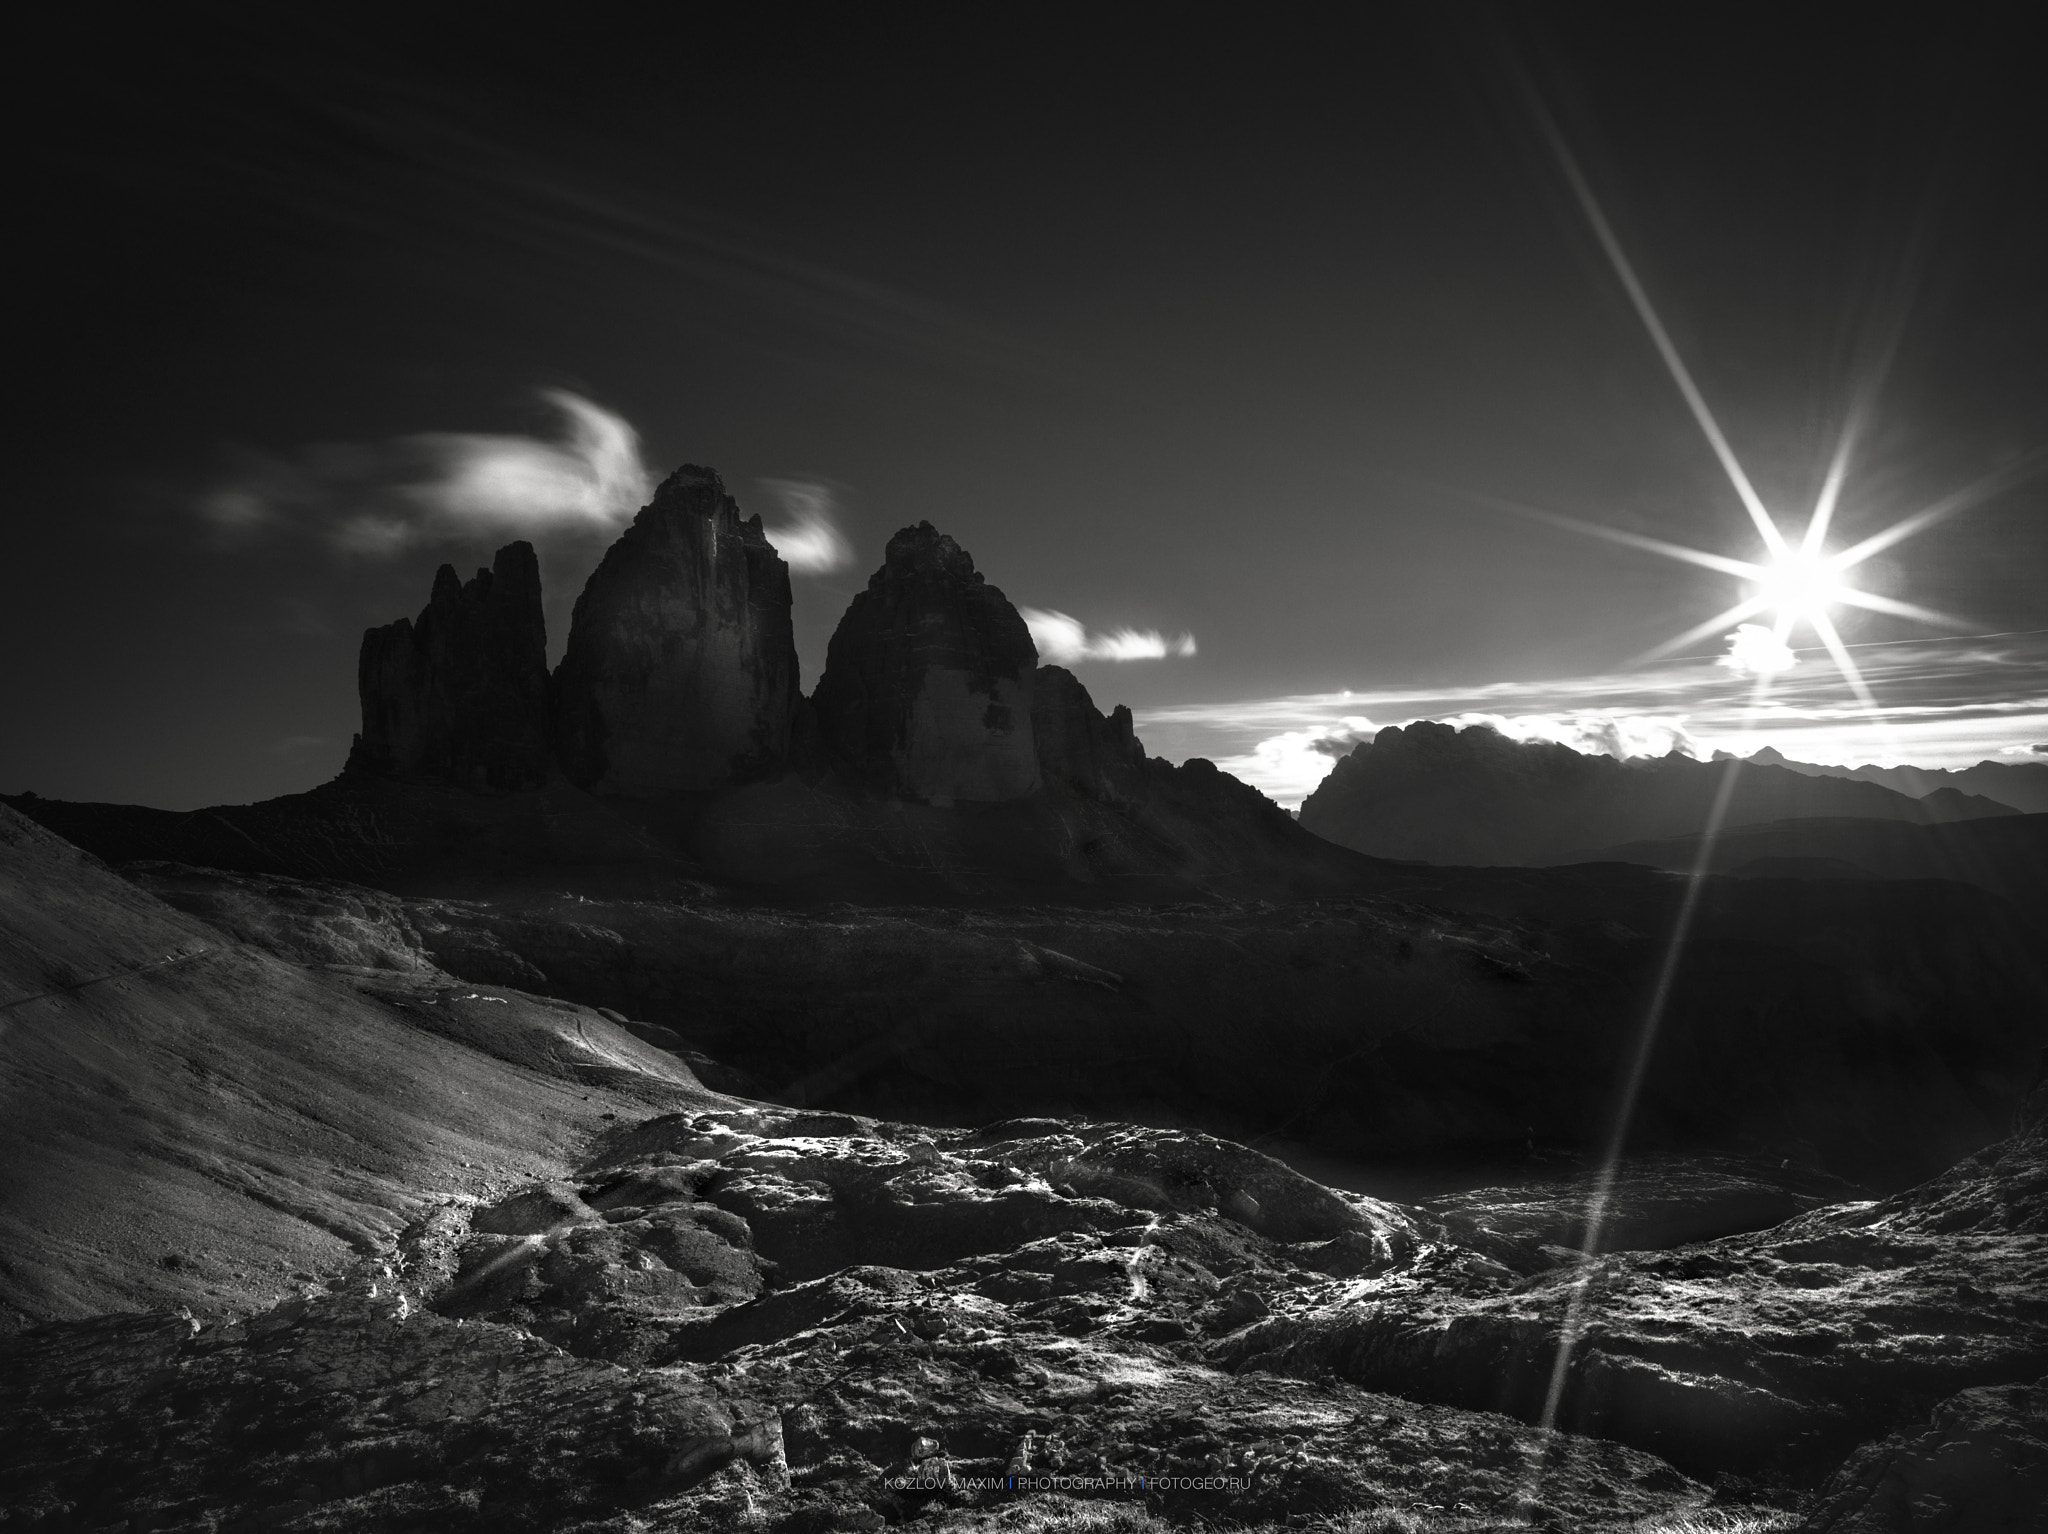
{"x":1798,"y":586}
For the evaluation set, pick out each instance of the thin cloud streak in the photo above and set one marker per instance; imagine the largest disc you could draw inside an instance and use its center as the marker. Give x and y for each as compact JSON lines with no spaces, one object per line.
{"x":1947,"y":704}
{"x":378,"y":499}
{"x":1065,"y":641}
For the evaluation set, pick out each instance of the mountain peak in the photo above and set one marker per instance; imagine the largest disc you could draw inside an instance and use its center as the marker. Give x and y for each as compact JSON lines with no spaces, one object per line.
{"x":926,"y":693}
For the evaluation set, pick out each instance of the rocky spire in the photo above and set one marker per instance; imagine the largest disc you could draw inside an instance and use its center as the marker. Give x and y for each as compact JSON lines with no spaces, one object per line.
{"x":460,"y":696}
{"x":681,"y":670}
{"x":1077,"y":747}
{"x":926,"y":693}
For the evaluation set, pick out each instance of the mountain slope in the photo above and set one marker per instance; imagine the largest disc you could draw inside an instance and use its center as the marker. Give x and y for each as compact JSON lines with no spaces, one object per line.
{"x":188,"y":1119}
{"x":2023,"y":785}
{"x":1441,"y":795}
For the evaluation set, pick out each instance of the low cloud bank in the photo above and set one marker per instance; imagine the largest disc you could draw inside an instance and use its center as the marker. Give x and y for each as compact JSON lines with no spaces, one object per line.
{"x":1288,"y":766}
{"x":1062,"y":640}
{"x":380,"y":498}
{"x":1596,"y":732}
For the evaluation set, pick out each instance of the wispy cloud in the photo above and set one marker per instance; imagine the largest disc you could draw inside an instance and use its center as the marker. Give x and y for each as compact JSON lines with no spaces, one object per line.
{"x":1942,"y":703}
{"x":380,"y":498}
{"x":1062,"y":640}
{"x":808,"y":536}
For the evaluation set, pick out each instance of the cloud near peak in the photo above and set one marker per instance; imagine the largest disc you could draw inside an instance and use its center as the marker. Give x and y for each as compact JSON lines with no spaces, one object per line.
{"x":1062,"y":640}
{"x":1289,"y":765}
{"x":380,"y":498}
{"x":808,"y":537}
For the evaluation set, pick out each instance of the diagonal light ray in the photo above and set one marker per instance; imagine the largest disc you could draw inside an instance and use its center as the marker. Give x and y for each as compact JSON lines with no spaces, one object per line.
{"x":1824,"y":626}
{"x":1960,"y":500}
{"x":1831,"y":488}
{"x":1725,"y":564}
{"x":1898,"y":609}
{"x":1572,"y":1327}
{"x":1714,"y":625}
{"x":1675,"y":364}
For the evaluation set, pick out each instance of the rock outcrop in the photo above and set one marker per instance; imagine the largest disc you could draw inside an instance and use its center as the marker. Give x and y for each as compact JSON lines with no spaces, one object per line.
{"x":426,"y":1254}
{"x":926,"y":693}
{"x":681,"y":672}
{"x":1780,"y":1349}
{"x":1077,"y":747}
{"x":1442,"y":795}
{"x":964,"y":1330}
{"x":1978,"y":1466}
{"x":460,"y":696}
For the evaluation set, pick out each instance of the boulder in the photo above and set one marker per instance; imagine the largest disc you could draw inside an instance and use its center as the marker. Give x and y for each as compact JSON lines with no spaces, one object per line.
{"x":680,"y":673}
{"x":461,"y":695}
{"x":927,"y":689}
{"x":1979,"y":1466}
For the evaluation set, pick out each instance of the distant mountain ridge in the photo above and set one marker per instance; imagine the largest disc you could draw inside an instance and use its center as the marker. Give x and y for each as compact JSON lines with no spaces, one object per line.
{"x":1436,"y":794}
{"x":2023,"y":785}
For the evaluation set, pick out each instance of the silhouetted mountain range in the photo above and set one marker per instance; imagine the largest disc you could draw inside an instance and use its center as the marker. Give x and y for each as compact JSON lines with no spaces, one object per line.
{"x":2023,"y":785}
{"x":467,"y":1111}
{"x":671,"y":746}
{"x":1437,"y":794}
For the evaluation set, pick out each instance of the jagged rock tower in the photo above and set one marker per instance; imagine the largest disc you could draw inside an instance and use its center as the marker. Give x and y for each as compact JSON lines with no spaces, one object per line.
{"x":926,"y":693}
{"x":681,"y":671}
{"x":1078,"y":748}
{"x":461,"y":696}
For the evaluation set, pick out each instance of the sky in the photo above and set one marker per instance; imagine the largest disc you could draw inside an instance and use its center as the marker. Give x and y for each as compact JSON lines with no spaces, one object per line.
{"x":1276,"y":366}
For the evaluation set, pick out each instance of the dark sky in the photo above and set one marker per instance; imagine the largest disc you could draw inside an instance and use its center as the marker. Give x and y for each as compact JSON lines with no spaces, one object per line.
{"x":1175,"y":322}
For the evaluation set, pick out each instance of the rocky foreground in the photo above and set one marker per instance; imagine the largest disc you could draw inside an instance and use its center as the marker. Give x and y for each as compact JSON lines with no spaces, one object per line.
{"x":338,"y":1241}
{"x":754,"y":1318}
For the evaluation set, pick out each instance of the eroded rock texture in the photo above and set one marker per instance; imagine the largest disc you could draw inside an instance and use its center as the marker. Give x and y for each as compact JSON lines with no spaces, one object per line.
{"x":1782,"y":1347}
{"x":460,"y":696}
{"x":758,"y":1319}
{"x":1077,"y":747}
{"x":926,"y":692}
{"x":1979,"y":1465}
{"x":681,"y":670}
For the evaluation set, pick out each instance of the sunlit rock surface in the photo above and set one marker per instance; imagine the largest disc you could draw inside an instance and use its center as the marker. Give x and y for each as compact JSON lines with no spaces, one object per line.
{"x":681,"y":672}
{"x":1782,"y":1347}
{"x":453,"y":1254}
{"x":926,"y":692}
{"x":460,"y":695}
{"x":190,"y":1118}
{"x":757,"y":1319}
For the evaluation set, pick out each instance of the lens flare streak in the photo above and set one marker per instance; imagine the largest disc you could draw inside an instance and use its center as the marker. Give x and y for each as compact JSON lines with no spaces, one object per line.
{"x":1794,"y":583}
